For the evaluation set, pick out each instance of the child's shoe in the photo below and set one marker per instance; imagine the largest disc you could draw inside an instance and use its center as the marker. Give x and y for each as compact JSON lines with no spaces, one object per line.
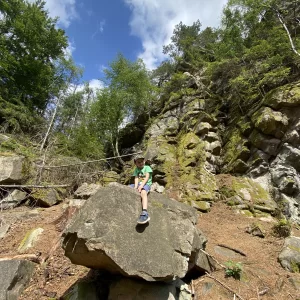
{"x":144,"y":218}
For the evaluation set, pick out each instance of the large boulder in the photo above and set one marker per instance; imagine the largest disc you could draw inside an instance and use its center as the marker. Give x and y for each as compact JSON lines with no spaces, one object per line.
{"x":12,"y":169}
{"x":105,"y":235}
{"x":270,"y":122}
{"x":14,"y":276}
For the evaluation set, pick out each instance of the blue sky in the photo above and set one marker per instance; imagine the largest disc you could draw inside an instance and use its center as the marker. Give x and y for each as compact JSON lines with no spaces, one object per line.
{"x":99,"y":29}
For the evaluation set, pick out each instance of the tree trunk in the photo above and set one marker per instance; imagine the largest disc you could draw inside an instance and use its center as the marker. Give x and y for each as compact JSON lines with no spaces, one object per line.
{"x":50,"y":125}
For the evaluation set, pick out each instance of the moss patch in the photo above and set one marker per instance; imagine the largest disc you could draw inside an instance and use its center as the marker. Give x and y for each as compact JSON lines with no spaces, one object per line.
{"x":287,"y":95}
{"x":236,"y":148}
{"x":270,"y":122}
{"x":245,"y":187}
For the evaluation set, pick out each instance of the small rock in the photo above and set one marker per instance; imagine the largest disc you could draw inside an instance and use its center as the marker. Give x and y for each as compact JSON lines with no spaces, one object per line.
{"x":87,"y":190}
{"x":4,"y":230}
{"x":30,"y":239}
{"x":255,"y":230}
{"x":13,"y":199}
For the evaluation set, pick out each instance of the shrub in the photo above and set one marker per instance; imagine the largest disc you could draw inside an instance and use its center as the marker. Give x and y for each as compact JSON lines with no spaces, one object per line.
{"x":233,"y":269}
{"x":282,"y":228}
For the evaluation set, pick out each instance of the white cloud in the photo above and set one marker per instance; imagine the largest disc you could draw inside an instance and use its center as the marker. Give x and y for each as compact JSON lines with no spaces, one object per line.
{"x":153,"y":21}
{"x":96,"y":84}
{"x":99,"y":28}
{"x":70,"y":49}
{"x":64,"y":9}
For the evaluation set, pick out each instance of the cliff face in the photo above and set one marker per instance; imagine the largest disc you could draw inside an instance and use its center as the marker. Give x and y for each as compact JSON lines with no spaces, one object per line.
{"x":195,"y":140}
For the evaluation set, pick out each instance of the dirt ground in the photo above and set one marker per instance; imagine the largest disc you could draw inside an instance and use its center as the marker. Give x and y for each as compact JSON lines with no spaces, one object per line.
{"x":262,"y":276}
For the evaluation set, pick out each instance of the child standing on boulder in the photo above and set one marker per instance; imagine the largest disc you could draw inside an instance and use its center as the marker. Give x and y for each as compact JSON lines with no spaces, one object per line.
{"x":142,"y":182}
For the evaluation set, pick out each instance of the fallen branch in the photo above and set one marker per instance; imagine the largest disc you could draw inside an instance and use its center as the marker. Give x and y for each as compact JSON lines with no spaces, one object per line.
{"x":224,"y":285}
{"x":192,"y":288}
{"x":87,"y":162}
{"x":35,"y":186}
{"x":31,"y":257}
{"x":213,"y":258}
{"x":233,"y":249}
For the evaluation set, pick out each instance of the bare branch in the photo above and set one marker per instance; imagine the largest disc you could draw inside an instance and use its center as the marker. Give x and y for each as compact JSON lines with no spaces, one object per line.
{"x":31,"y":257}
{"x":87,"y":162}
{"x":287,"y":31}
{"x":224,"y":285}
{"x":34,"y":186}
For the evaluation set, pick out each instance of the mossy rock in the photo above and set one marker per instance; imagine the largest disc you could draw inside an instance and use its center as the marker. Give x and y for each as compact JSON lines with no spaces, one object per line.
{"x":110,"y":176}
{"x":191,"y":151}
{"x":252,"y":192}
{"x":270,"y":122}
{"x":245,"y":126}
{"x":46,"y":197}
{"x":236,"y":148}
{"x":284,"y":96}
{"x":191,"y":164}
{"x":268,"y":144}
{"x":202,"y":206}
{"x":238,"y":167}
{"x":160,"y":151}
{"x":247,"y":213}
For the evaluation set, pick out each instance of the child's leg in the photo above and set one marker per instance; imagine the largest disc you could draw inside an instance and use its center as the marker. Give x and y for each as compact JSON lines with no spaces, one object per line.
{"x":144,"y":217}
{"x":144,"y":199}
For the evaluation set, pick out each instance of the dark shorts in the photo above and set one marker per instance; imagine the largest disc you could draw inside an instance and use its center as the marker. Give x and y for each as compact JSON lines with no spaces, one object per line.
{"x":146,"y":187}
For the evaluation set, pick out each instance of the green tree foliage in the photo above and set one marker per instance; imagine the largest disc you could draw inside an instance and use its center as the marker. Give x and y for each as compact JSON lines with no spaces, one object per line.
{"x":30,"y":45}
{"x":127,"y":94}
{"x":163,"y":72}
{"x":254,"y":50}
{"x":182,"y":41}
{"x":190,"y":45}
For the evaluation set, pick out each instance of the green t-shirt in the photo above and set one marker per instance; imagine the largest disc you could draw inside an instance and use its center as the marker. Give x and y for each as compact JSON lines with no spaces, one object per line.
{"x":141,"y":174}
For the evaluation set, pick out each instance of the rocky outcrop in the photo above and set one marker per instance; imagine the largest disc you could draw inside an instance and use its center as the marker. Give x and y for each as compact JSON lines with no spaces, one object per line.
{"x":184,"y":148}
{"x":14,"y":276}
{"x":266,"y":143}
{"x":104,"y":235}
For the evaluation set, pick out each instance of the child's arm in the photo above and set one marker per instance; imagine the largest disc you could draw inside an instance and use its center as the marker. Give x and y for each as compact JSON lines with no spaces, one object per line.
{"x":143,"y":182}
{"x":136,"y":182}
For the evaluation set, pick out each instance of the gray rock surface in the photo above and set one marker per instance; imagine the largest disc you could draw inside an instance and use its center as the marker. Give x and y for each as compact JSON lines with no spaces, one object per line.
{"x":13,"y":199}
{"x":105,"y":235}
{"x":86,"y":190}
{"x":14,"y":276}
{"x":46,"y":198}
{"x":4,"y":230}
{"x":289,"y":257}
{"x":11,"y":169}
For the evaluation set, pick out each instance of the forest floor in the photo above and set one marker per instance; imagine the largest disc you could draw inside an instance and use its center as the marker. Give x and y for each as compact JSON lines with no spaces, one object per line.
{"x":262,"y":277}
